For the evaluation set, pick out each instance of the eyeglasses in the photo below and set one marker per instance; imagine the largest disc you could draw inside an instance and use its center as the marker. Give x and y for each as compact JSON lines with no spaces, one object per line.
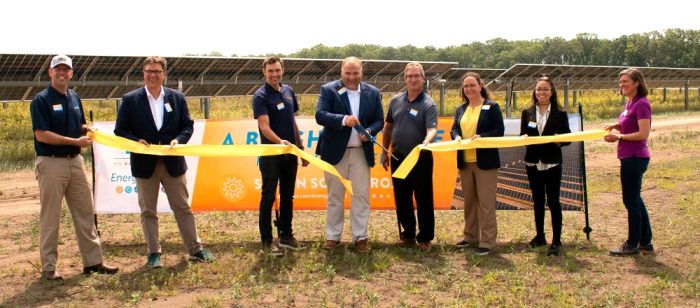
{"x":153,"y":72}
{"x":415,"y":76}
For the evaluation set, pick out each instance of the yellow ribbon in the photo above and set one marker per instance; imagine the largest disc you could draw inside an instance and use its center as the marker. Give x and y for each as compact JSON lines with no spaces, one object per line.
{"x":211,"y":150}
{"x":491,"y":142}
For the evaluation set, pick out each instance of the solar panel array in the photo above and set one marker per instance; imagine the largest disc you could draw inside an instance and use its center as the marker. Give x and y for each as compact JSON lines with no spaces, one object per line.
{"x":99,"y":77}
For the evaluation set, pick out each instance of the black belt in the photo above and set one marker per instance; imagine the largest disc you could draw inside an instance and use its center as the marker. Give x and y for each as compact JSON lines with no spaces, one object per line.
{"x":62,"y":155}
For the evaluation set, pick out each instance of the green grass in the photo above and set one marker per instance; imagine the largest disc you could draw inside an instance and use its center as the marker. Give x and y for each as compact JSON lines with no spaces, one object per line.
{"x":390,"y":275}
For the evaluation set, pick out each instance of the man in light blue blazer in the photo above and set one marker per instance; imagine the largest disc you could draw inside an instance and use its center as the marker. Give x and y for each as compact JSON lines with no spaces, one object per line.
{"x":342,"y":105}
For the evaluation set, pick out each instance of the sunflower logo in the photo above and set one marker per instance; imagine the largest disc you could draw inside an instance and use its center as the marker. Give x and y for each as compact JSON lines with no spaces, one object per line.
{"x":233,"y":189}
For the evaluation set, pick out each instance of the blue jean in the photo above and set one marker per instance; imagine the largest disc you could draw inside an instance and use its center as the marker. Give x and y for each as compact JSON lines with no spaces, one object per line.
{"x":631,"y":172}
{"x":275,"y":169}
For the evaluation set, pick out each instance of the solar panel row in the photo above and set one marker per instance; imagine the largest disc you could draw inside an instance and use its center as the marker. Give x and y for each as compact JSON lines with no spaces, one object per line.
{"x":97,"y":77}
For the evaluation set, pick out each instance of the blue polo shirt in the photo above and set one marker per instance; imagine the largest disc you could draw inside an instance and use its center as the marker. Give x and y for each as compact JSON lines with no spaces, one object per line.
{"x":280,"y":107}
{"x":58,"y":113}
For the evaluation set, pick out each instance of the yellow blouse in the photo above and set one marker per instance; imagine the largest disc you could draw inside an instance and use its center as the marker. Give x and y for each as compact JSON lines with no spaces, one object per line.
{"x":468,"y":123}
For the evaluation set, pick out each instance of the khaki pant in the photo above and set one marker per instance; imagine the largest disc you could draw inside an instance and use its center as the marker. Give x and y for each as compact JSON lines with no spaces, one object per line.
{"x":353,"y":166}
{"x":479,"y":187}
{"x":58,"y":178}
{"x":176,"y":191}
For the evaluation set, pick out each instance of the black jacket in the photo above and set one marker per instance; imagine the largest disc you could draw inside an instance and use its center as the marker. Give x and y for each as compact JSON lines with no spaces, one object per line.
{"x":557,"y":123}
{"x":490,"y":125}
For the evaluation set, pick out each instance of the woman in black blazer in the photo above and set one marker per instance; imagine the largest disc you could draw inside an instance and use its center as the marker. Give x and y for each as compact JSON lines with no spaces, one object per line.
{"x":543,"y":161}
{"x":478,"y":169}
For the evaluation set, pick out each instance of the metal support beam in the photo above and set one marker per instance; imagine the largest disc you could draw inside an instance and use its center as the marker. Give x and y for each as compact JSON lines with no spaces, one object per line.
{"x":509,"y":93}
{"x":663,"y":97}
{"x":687,"y":83}
{"x":566,"y":94}
{"x":442,"y":96}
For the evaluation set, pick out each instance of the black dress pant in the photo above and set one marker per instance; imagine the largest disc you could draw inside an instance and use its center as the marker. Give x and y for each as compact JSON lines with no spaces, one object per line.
{"x":546,"y":182}
{"x":418,"y":183}
{"x":275,"y":169}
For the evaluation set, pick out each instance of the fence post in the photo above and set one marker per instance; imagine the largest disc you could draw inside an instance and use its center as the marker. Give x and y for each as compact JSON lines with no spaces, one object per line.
{"x":442,"y":96}
{"x":687,"y":83}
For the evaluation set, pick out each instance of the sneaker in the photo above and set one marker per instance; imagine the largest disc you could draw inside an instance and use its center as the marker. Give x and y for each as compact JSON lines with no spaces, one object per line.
{"x":464,"y":244}
{"x":424,"y":246}
{"x":647,"y":248}
{"x":202,"y":256}
{"x":538,"y":241}
{"x":554,"y":249}
{"x":270,"y":250}
{"x":289,"y":242}
{"x":362,"y":246}
{"x":624,"y":250}
{"x":154,"y":261}
{"x":482,"y":251}
{"x":330,"y":244}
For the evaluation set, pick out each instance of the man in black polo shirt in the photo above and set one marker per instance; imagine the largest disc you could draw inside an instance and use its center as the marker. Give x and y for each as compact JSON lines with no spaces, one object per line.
{"x":59,"y":127}
{"x":410,"y":121}
{"x":274,"y":106}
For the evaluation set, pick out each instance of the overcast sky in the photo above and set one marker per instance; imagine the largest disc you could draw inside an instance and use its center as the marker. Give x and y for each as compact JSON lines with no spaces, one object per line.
{"x":173,"y":28}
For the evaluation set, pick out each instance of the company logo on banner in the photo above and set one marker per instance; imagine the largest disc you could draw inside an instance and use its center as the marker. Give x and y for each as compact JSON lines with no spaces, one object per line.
{"x":234,"y":183}
{"x":115,"y":187}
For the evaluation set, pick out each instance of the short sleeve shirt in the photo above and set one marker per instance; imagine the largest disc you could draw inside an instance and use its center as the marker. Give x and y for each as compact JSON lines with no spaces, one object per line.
{"x":62,"y":114}
{"x":635,"y":110}
{"x":280,"y":107}
{"x":411,"y":120}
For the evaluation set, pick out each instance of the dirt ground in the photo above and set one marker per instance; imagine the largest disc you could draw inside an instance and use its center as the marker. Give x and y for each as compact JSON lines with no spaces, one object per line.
{"x":19,"y":196}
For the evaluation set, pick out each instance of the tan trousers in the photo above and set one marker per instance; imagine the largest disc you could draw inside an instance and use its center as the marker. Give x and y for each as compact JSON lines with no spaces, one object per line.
{"x":176,"y":191}
{"x":479,"y":187}
{"x":353,"y":166}
{"x":58,"y":178}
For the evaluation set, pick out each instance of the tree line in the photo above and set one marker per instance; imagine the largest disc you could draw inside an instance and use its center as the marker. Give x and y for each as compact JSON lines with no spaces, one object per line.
{"x":670,"y":48}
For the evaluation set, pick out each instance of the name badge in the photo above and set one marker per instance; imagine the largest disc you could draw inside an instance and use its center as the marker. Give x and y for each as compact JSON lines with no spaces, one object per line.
{"x":280,"y":106}
{"x":413,"y":112}
{"x":624,"y":113}
{"x":532,"y":124}
{"x":485,"y":107}
{"x":168,"y":108}
{"x":58,"y":107}
{"x":342,"y":90}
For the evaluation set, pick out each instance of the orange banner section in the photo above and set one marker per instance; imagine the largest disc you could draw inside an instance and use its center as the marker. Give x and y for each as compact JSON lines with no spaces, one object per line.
{"x":233,"y":183}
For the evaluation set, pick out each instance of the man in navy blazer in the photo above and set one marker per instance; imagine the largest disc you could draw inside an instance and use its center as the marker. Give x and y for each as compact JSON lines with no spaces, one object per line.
{"x":158,"y":115}
{"x":342,"y":105}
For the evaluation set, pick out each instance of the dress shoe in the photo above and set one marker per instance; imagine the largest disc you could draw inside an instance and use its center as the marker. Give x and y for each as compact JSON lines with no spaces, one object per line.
{"x":465,"y":244}
{"x":51,"y":275}
{"x":408,"y":242}
{"x":538,"y":241}
{"x":330,"y":244}
{"x":362,"y":246}
{"x":424,"y":246}
{"x":100,"y":269}
{"x":554,"y":249}
{"x":646,"y":248}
